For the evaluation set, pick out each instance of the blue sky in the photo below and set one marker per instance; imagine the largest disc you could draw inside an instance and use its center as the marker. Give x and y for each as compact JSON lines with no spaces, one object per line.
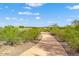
{"x":38,"y":14}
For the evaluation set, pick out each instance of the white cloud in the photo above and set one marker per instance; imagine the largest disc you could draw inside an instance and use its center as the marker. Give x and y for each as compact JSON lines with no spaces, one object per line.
{"x":19,"y":12}
{"x":10,"y":18}
{"x":37,"y":13}
{"x":37,"y":17}
{"x":21,"y":19}
{"x":28,"y":13}
{"x":75,"y":7}
{"x":7,"y":18}
{"x":25,"y":13}
{"x":69,"y":20}
{"x":28,"y":7}
{"x":35,"y":4}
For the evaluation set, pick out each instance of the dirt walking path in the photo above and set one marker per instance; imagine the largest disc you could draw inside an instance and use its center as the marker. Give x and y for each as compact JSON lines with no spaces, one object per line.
{"x":48,"y":46}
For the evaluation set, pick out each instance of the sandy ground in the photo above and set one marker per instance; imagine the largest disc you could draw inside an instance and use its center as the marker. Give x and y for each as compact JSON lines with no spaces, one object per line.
{"x":15,"y":50}
{"x":48,"y":46}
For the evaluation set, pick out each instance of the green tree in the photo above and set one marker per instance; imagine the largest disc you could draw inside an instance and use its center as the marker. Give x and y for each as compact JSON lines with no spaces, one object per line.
{"x":75,"y":22}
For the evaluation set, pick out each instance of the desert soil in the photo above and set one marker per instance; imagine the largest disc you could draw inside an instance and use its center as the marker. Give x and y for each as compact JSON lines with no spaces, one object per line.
{"x":47,"y":46}
{"x":7,"y":50}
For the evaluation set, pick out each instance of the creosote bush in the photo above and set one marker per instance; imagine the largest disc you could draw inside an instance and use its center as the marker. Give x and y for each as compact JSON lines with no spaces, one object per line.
{"x":13,"y":35}
{"x":69,"y":34}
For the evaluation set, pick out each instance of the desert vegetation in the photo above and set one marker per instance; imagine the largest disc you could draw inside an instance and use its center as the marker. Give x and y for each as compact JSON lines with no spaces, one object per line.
{"x":19,"y":34}
{"x":15,"y":35}
{"x":68,"y":34}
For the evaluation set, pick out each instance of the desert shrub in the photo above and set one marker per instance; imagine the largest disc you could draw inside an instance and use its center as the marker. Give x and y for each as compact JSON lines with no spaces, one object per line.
{"x":69,"y":34}
{"x":72,"y":37}
{"x":10,"y":34}
{"x":14,"y":35}
{"x":29,"y":35}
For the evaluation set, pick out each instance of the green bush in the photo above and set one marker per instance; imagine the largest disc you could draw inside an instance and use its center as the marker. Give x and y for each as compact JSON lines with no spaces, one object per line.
{"x":69,"y":34}
{"x":14,"y":35}
{"x":10,"y":34}
{"x":30,"y":34}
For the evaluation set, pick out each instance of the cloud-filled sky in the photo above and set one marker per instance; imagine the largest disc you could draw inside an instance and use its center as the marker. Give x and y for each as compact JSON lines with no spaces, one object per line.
{"x":38,"y":14}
